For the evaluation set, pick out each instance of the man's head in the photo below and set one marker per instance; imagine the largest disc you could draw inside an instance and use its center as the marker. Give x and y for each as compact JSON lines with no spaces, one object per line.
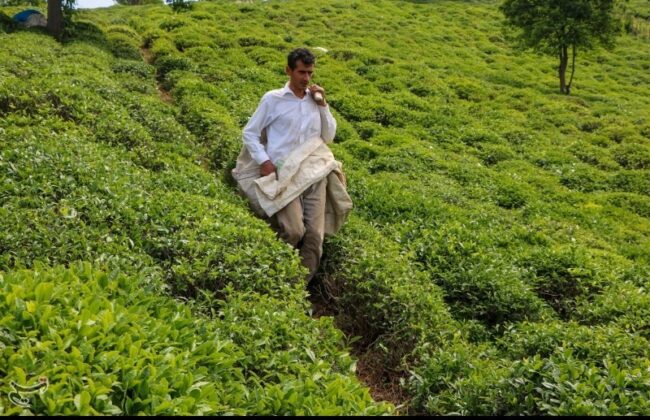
{"x":300,"y":54}
{"x":300,"y":67}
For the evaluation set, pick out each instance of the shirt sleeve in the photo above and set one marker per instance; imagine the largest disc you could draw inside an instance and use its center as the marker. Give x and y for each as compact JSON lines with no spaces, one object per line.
{"x":252,"y":133}
{"x":327,"y":124}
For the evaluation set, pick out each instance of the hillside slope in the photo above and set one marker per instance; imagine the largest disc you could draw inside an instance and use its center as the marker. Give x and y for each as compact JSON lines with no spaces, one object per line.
{"x":498,"y":260}
{"x":98,"y":176}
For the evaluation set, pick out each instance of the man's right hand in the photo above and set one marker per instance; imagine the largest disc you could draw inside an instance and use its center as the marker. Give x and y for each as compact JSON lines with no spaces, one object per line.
{"x":267,"y":168}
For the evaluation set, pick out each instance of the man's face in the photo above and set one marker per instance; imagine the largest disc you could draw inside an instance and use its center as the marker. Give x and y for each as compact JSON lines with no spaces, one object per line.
{"x":301,"y":75}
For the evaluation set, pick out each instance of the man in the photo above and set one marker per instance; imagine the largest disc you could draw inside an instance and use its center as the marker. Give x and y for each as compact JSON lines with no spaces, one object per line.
{"x":290,"y":117}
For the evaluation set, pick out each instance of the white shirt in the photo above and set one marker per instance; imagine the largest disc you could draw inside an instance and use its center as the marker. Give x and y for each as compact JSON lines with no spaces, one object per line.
{"x":289,"y":122}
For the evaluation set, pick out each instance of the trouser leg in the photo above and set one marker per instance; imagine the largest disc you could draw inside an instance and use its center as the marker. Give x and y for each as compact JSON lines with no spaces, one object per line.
{"x":302,"y":222}
{"x":313,"y":204}
{"x":289,"y":224}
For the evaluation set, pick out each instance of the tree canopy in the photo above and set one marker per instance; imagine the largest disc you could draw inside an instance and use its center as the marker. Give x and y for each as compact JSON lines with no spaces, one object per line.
{"x":554,"y":27}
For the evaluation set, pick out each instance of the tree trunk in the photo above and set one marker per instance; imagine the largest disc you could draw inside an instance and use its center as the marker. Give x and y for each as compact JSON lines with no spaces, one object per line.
{"x":564,"y":59}
{"x":573,"y":70}
{"x":55,"y":18}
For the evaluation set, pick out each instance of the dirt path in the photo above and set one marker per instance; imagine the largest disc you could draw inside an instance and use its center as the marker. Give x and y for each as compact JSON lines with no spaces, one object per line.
{"x":164,"y":95}
{"x":383,"y":382}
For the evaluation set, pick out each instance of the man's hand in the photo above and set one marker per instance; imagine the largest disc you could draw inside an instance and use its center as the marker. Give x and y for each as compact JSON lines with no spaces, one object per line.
{"x":267,"y":168}
{"x":320,"y":100}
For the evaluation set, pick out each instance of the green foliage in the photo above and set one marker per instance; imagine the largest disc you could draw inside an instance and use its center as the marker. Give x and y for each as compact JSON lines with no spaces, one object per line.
{"x":549,"y":25}
{"x":568,"y":369}
{"x":181,"y":5}
{"x":497,"y":258}
{"x":123,"y":46}
{"x":478,"y":283}
{"x":560,"y":276}
{"x":384,"y":297}
{"x":633,"y":156}
{"x":552,"y":27}
{"x":93,"y":171}
{"x":7,"y":24}
{"x":107,"y":347}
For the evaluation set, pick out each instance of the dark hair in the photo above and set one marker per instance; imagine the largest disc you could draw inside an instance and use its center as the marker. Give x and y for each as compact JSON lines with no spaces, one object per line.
{"x":300,"y":54}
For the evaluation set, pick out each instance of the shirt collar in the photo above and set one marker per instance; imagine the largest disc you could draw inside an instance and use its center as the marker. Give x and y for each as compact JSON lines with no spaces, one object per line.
{"x":287,"y":89}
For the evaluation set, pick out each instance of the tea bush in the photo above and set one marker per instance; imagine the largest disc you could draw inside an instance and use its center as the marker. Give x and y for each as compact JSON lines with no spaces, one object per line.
{"x":633,"y":156}
{"x":576,"y":365}
{"x":108,"y":347}
{"x":560,"y":276}
{"x":478,"y":282}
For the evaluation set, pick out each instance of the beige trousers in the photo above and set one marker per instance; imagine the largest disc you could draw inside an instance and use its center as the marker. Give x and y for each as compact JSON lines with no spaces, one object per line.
{"x":302,"y":224}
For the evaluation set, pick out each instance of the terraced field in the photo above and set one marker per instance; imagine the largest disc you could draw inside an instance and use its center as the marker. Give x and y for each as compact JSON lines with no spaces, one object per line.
{"x":497,"y":261}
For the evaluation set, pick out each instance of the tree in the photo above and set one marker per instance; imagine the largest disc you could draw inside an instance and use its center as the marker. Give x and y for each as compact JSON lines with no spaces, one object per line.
{"x":57,"y":11}
{"x":561,"y":27}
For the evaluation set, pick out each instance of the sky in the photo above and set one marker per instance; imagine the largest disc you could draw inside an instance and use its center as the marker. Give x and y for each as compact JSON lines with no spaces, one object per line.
{"x":92,"y":4}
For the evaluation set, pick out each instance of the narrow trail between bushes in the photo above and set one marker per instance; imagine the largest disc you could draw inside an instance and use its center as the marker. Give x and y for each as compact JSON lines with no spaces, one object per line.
{"x":164,"y":95}
{"x":382,"y":381}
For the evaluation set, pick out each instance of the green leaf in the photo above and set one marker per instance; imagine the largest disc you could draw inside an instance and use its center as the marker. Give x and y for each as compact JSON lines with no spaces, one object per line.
{"x":43,"y":291}
{"x":82,"y":402}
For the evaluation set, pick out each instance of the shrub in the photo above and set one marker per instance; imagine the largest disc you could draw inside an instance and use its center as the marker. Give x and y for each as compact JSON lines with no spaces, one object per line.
{"x":472,"y":136}
{"x":562,"y":275}
{"x":467,"y":89}
{"x":512,"y":195}
{"x":344,"y":130}
{"x":582,"y":177}
{"x":478,"y":282}
{"x":125,"y":30}
{"x":457,"y":378}
{"x":619,"y":131}
{"x":633,"y":202}
{"x":187,"y":37}
{"x":160,"y":120}
{"x":353,"y":107}
{"x":213,"y":126}
{"x":363,"y":150}
{"x":107,"y":347}
{"x":162,"y":47}
{"x":181,"y":5}
{"x":571,"y":369}
{"x":633,"y":156}
{"x":171,"y":62}
{"x":139,"y":69}
{"x":117,"y":128}
{"x":383,"y":299}
{"x":234,"y":251}
{"x":124,"y":46}
{"x":623,"y":304}
{"x":634,"y":181}
{"x":7,"y":24}
{"x":173,"y":23}
{"x":492,"y":154}
{"x":594,"y":155}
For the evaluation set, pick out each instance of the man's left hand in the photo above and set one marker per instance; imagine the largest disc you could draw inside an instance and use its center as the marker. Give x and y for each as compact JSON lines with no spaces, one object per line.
{"x":316,"y":88}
